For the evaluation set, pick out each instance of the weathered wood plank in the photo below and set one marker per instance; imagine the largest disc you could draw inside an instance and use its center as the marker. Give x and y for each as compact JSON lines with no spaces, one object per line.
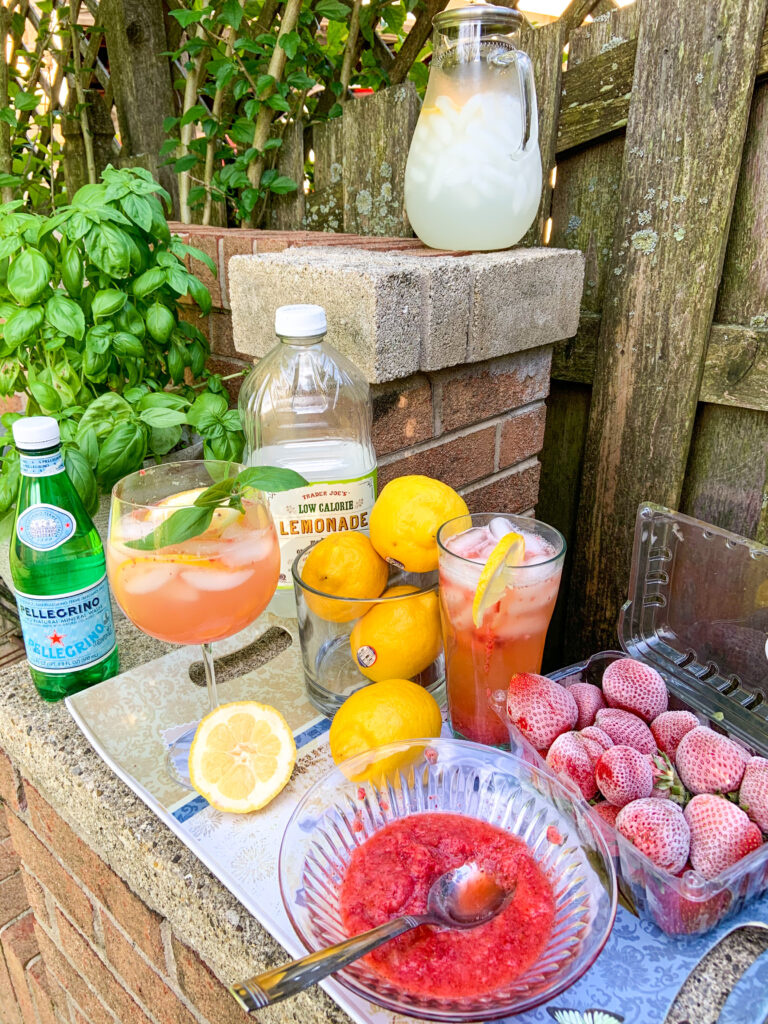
{"x":286,"y":212}
{"x":596,"y":96}
{"x":544,"y":45}
{"x":678,"y":184}
{"x":377,"y":134}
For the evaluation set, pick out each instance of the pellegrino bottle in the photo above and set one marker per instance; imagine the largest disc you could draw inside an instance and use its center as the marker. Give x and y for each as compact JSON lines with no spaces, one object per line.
{"x":58,"y":570}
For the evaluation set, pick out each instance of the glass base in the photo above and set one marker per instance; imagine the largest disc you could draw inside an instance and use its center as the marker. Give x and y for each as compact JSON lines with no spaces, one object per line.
{"x":177,"y":758}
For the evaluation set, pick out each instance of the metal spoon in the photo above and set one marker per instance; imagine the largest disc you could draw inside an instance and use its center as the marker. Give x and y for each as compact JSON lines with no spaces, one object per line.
{"x":462,"y":898}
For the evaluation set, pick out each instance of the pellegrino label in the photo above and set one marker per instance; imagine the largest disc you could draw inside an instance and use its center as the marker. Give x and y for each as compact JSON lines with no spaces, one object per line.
{"x":307,"y":514}
{"x":44,"y":527}
{"x":65,"y":632}
{"x":41,"y":465}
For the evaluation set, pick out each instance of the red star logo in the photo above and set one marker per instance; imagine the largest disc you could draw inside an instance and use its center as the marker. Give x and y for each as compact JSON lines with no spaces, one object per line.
{"x":55,"y":638}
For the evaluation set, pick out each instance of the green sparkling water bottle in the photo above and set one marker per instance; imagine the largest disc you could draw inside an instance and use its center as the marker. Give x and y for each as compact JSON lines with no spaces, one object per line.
{"x":58,"y":569}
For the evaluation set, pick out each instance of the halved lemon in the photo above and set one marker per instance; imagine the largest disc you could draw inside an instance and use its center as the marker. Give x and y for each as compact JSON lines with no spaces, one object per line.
{"x":508,"y":552}
{"x":242,"y":756}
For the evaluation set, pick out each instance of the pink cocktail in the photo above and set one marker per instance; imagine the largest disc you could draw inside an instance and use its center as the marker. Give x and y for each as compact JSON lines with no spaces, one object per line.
{"x":510,"y":635}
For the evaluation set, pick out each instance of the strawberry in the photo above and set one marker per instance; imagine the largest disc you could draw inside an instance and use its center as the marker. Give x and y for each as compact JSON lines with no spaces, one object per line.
{"x":540,"y":708}
{"x":669,"y":727}
{"x":624,"y":774}
{"x":753,"y":795}
{"x":627,"y":729}
{"x":709,"y":762}
{"x":595,"y":741}
{"x":589,"y":700}
{"x":607,"y":812}
{"x":568,"y":757}
{"x":633,"y":686}
{"x":721,"y":833}
{"x":659,"y":830}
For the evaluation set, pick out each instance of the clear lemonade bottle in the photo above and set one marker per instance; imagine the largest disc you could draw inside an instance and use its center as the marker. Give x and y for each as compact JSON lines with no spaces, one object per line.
{"x":58,"y":570}
{"x":306,"y":407}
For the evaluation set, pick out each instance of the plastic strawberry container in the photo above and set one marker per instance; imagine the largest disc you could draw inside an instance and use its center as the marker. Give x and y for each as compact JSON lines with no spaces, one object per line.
{"x":698,"y":613}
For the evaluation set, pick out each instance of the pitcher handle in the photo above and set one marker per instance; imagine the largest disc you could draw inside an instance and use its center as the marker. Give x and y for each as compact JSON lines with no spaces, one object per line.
{"x":528,"y":97}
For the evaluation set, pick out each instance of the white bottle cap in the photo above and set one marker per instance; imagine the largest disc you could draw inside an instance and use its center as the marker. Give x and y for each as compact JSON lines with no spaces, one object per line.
{"x":300,"y":321}
{"x":33,"y":432}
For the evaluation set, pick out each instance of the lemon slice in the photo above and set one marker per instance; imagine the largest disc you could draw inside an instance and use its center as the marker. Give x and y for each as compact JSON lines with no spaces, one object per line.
{"x":242,"y":756}
{"x":509,"y":551}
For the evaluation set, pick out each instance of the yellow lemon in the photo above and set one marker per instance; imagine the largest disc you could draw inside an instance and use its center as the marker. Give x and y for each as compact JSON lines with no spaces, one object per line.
{"x":242,"y":756}
{"x":397,"y":639}
{"x":385,"y":712}
{"x":509,"y":551}
{"x":343,"y":565}
{"x":406,"y":517}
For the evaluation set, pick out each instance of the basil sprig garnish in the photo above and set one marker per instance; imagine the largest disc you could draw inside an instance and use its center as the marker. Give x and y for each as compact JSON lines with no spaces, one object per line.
{"x":185,"y":523}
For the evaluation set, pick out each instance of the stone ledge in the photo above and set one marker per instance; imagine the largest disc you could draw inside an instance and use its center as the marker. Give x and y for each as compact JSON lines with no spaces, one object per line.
{"x":394,"y":313}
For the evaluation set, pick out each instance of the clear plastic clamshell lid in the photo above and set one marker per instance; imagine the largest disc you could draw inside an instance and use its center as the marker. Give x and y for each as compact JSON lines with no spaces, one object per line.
{"x":698,"y":612}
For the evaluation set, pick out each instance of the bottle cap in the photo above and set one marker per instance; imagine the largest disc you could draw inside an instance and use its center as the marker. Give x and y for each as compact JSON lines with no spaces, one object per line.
{"x":300,"y":321}
{"x":33,"y":432}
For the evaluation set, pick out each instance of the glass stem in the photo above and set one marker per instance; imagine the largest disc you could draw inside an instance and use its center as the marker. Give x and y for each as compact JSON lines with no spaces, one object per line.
{"x":210,"y":675}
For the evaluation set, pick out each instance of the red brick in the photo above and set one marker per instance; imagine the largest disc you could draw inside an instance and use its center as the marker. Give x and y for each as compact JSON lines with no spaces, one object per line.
{"x":106,"y":984}
{"x":402,"y":414}
{"x":492,"y":388}
{"x":141,"y":923}
{"x":19,"y":947}
{"x":457,"y":462}
{"x":4,"y":833}
{"x":227,"y":367}
{"x":40,"y":987}
{"x":68,"y":980}
{"x":9,"y":1008}
{"x":9,"y":860}
{"x":36,"y":899}
{"x":514,"y":492}
{"x":204,"y":990}
{"x":13,"y":898}
{"x":142,"y":981}
{"x":522,"y":436}
{"x":209,"y":244}
{"x":11,"y":791}
{"x":220,"y":333}
{"x":41,"y":863}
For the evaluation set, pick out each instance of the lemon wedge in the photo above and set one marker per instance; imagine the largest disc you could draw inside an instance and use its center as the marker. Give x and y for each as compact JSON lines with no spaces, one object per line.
{"x":508,"y":552}
{"x":242,"y":756}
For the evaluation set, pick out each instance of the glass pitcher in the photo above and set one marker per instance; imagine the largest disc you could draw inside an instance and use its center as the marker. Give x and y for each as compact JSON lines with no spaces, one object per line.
{"x":473,"y":177}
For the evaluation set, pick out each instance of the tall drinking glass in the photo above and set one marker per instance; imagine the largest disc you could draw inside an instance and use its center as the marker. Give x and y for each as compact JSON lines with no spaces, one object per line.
{"x":195,"y":590}
{"x":510,"y":635}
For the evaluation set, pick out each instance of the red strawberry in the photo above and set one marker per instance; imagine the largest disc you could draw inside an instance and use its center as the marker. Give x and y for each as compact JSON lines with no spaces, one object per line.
{"x":627,"y":729}
{"x":635,"y":687}
{"x":721,"y":833}
{"x":659,"y":830}
{"x":589,"y":700}
{"x":709,"y":762}
{"x":607,"y":811}
{"x":595,"y":742}
{"x":670,"y":727}
{"x":540,"y":708}
{"x":568,"y":757}
{"x":624,"y":774}
{"x":753,"y":795}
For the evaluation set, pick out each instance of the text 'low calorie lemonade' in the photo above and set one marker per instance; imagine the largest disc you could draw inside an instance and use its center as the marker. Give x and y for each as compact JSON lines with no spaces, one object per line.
{"x":510,"y":637}
{"x":203,"y":589}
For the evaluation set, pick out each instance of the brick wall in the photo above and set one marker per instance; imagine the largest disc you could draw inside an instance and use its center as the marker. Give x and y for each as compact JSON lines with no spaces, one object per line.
{"x":477,"y":427}
{"x":77,"y":946}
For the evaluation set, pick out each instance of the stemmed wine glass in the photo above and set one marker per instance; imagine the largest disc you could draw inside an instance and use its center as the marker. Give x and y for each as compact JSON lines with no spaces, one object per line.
{"x":192,"y":557}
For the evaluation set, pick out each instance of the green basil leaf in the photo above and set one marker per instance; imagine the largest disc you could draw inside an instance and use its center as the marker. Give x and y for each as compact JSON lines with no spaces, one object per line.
{"x":21,"y":325}
{"x":162,"y":400}
{"x":199,"y":293}
{"x":80,"y":473}
{"x":163,"y":439}
{"x":162,"y":417}
{"x":96,"y":365}
{"x":148,"y":282}
{"x":178,"y":279}
{"x":65,"y":315}
{"x":160,"y":322}
{"x":28,"y":276}
{"x":139,"y":210}
{"x":109,"y":248}
{"x":121,"y":453}
{"x":231,"y":420}
{"x":8,"y":246}
{"x":103,"y":413}
{"x":9,"y":373}
{"x":223,"y":445}
{"x":98,"y":338}
{"x":196,"y":358}
{"x":176,"y":363}
{"x":178,"y":527}
{"x":107,"y":302}
{"x":88,"y":444}
{"x":72,"y":271}
{"x":218,"y":492}
{"x":45,"y":396}
{"x":270,"y":479}
{"x":129,"y":319}
{"x":126,"y":344}
{"x":78,"y":226}
{"x":207,"y":411}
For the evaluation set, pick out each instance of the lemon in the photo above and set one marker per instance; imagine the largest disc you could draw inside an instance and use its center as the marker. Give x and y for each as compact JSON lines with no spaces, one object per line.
{"x":397,"y":639}
{"x":242,"y":756}
{"x":343,"y":565}
{"x":509,"y":551}
{"x":406,"y":517}
{"x":385,"y":712}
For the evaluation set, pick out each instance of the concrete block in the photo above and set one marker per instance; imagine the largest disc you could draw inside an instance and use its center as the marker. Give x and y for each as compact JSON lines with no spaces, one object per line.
{"x":523,"y":298}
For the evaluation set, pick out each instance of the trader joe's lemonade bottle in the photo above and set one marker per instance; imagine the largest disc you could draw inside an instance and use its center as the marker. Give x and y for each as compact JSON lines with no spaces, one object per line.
{"x":307,"y":407}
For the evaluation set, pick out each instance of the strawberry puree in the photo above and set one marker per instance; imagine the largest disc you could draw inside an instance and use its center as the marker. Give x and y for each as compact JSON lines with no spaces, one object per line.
{"x":391,"y":873}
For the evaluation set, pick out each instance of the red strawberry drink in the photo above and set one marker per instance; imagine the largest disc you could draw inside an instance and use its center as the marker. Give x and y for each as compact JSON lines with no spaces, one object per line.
{"x":494,"y":622}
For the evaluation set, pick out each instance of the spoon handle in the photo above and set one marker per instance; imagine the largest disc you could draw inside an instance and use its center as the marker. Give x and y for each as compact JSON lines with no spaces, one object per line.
{"x":282,"y":982}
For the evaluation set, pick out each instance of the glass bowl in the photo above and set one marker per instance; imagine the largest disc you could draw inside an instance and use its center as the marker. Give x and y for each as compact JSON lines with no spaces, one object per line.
{"x":342,"y":810}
